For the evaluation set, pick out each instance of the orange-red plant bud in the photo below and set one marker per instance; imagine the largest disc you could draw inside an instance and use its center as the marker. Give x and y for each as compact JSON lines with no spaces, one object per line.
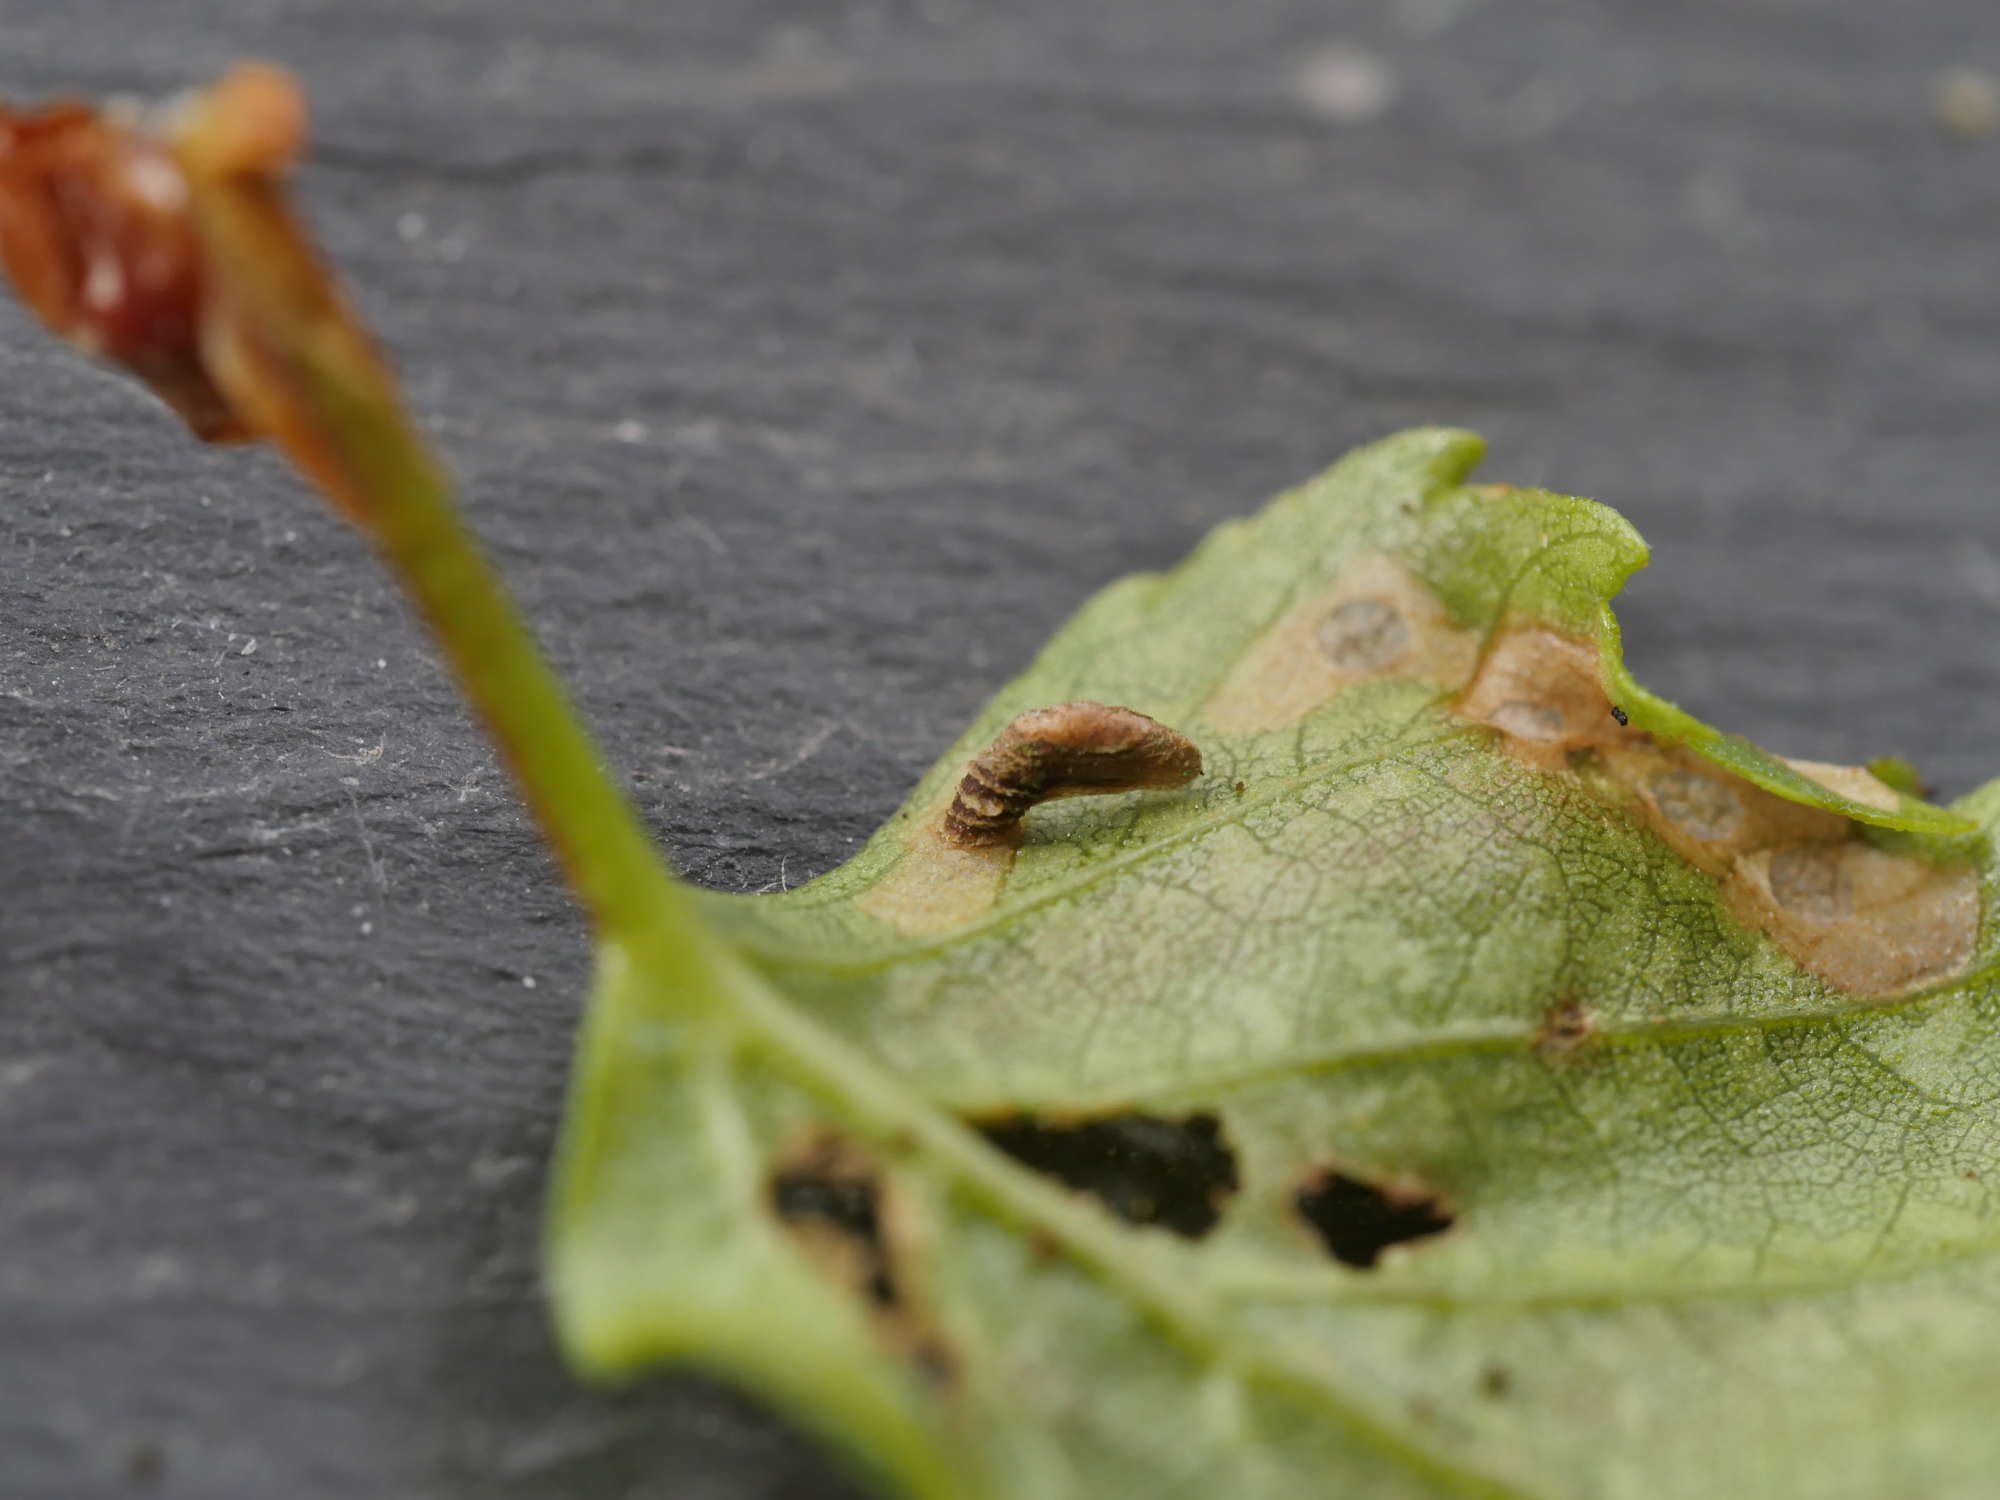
{"x":97,"y":233}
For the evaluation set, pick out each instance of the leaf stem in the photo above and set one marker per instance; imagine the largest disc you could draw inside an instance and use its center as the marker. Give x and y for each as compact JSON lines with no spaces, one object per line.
{"x":588,"y":819}
{"x":294,"y":357}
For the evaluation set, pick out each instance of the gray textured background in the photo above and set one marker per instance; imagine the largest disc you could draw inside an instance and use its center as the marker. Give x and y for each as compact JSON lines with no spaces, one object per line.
{"x":806,"y":365}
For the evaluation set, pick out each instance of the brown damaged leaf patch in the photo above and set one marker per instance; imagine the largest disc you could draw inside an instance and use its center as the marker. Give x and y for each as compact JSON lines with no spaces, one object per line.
{"x":1860,"y":917}
{"x":1377,"y":620}
{"x":1864,"y":919}
{"x":939,"y":884}
{"x":1541,"y":691}
{"x":1564,"y":1030}
{"x":830,"y":1196}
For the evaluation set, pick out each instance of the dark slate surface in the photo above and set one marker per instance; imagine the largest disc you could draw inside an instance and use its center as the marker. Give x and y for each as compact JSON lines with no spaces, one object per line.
{"x":806,"y":364}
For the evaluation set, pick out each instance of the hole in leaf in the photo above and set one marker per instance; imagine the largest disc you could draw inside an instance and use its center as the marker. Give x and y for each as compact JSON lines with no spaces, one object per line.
{"x":1145,"y":1168}
{"x":831,"y":1199}
{"x":829,"y":1195}
{"x":1357,"y":1220}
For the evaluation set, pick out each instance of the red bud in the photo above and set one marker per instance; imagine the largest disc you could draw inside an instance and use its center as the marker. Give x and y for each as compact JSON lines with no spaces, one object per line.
{"x":96,"y":230}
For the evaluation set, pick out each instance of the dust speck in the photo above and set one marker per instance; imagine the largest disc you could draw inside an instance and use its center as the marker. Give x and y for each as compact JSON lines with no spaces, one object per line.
{"x":1966,"y":103}
{"x":145,"y":1464}
{"x":1345,"y":84}
{"x":1715,"y":201}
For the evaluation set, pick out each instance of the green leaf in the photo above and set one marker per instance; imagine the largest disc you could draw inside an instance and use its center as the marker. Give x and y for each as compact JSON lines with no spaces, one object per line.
{"x":1485,"y":1080}
{"x":1466,"y":1094}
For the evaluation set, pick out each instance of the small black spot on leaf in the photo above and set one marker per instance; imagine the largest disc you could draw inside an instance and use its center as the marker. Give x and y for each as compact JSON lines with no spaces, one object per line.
{"x":1564,"y":1030}
{"x":1144,"y":1168}
{"x":1357,"y":1220}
